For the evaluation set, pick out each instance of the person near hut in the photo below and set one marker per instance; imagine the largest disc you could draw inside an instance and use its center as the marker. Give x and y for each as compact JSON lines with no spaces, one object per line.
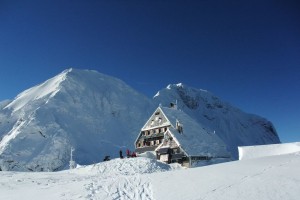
{"x":128,"y":153}
{"x":121,"y":154}
{"x":133,"y":154}
{"x":106,"y":158}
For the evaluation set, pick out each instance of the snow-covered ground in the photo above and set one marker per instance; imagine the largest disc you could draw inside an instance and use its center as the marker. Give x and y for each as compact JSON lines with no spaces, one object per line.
{"x":275,"y":176}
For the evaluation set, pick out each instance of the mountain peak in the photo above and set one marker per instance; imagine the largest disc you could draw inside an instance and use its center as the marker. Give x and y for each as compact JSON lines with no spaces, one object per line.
{"x":44,"y":91}
{"x":96,"y":114}
{"x":233,"y":126}
{"x":70,"y":78}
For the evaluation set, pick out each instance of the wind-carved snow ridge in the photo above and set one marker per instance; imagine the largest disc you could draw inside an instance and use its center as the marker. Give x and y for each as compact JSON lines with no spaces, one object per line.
{"x":48,"y":88}
{"x":157,"y":94}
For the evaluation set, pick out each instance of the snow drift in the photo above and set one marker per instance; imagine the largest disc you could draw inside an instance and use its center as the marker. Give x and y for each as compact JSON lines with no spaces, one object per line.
{"x":250,"y":152}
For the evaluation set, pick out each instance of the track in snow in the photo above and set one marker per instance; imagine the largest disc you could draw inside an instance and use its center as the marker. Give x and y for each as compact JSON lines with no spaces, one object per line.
{"x":123,"y":188}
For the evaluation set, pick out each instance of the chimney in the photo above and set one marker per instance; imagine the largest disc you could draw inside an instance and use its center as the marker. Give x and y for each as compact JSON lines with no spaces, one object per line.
{"x":173,"y":105}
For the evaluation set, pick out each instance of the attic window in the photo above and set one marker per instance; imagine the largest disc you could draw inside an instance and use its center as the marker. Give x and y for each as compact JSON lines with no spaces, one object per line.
{"x":157,"y":113}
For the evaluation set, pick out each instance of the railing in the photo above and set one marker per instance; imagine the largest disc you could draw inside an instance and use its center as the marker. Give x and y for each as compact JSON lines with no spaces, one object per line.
{"x":153,"y":135}
{"x":145,"y":148}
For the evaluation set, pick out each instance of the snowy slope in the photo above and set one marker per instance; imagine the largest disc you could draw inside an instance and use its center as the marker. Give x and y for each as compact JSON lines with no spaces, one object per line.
{"x":272,"y":177}
{"x":233,"y":126}
{"x":96,"y":114}
{"x":263,"y":178}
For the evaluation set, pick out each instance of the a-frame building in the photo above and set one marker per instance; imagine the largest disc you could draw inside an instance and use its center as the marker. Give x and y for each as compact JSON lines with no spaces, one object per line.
{"x":175,"y":137}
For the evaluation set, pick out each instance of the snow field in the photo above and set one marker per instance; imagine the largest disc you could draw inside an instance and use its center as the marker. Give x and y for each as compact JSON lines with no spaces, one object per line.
{"x":272,"y":177}
{"x":116,"y":179}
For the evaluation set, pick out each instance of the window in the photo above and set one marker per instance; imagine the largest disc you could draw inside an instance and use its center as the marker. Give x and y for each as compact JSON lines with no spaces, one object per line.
{"x":175,"y":150}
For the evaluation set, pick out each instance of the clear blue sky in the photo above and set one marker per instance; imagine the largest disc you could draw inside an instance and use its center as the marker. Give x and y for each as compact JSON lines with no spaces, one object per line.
{"x":245,"y":52}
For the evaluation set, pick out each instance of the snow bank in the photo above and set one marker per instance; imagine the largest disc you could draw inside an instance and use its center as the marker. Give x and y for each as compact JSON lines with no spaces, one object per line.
{"x":126,"y":166}
{"x":250,"y":152}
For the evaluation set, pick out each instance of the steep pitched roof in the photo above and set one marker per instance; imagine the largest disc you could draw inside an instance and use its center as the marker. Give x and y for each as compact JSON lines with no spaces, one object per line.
{"x":194,"y":139}
{"x":148,"y":124}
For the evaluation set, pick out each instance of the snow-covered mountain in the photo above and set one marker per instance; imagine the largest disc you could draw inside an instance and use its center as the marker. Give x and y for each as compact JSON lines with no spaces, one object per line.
{"x":233,"y":126}
{"x":98,"y":115}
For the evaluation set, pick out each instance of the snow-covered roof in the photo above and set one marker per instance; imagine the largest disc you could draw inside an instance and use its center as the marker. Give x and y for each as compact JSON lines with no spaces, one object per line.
{"x":194,"y":139}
